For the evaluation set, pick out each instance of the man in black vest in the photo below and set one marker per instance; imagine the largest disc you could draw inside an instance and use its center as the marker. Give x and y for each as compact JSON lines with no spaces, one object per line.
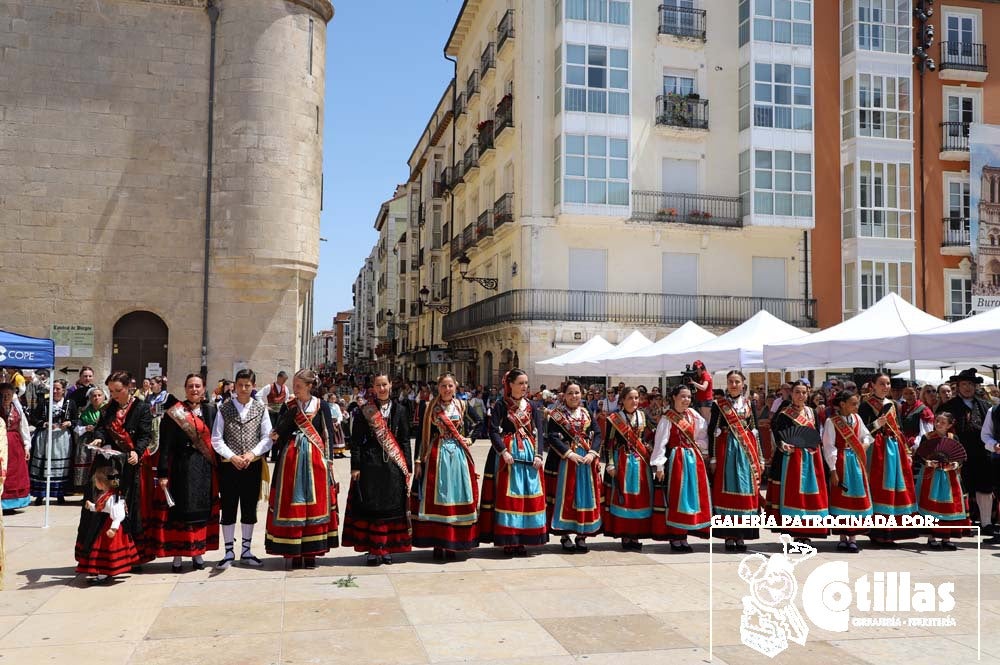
{"x":970,"y":415}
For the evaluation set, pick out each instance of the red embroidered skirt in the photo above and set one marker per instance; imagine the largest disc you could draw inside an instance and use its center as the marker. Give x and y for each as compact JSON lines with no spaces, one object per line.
{"x":302,"y":517}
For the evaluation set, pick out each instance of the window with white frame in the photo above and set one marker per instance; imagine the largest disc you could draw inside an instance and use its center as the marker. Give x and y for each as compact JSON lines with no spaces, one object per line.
{"x":881,"y":277}
{"x":782,"y":96}
{"x":960,"y":36}
{"x":850,"y":289}
{"x":957,"y":203}
{"x":885,"y":200}
{"x":596,"y":170}
{"x":883,"y":106}
{"x":745,"y":176}
{"x":596,"y":79}
{"x":782,"y":183}
{"x":882,"y":25}
{"x":679,"y":83}
{"x":959,"y":296}
{"x":599,"y":11}
{"x":777,"y":21}
{"x":744,"y":96}
{"x":847,"y":204}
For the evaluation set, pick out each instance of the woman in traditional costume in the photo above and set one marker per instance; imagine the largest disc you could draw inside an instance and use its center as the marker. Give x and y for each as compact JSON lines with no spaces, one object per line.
{"x":735,"y":460}
{"x":188,"y":495}
{"x":302,"y":519}
{"x":3,"y":477}
{"x":572,"y":473}
{"x":916,"y":419}
{"x":446,"y":511}
{"x":679,"y":452}
{"x":939,"y":483}
{"x":890,"y":469}
{"x":61,"y":475}
{"x":126,"y":432}
{"x":104,"y":547}
{"x":377,"y":517}
{"x":512,"y":507}
{"x":17,"y":488}
{"x":845,"y":448}
{"x":86,"y":422}
{"x":798,"y":482}
{"x":628,"y":477}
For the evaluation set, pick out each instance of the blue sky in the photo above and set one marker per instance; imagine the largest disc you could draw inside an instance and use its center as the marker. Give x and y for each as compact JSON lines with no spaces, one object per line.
{"x":385,"y":71}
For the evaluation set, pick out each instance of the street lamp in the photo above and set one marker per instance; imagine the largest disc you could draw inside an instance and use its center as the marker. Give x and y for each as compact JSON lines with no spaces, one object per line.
{"x":488,"y":283}
{"x":391,"y":323}
{"x":441,"y":308}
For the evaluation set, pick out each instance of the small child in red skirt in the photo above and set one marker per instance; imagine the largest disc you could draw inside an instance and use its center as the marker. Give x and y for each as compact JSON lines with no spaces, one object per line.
{"x":103,"y":548}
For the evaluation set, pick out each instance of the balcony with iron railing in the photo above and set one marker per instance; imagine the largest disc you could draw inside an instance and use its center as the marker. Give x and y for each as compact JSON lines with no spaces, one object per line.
{"x":460,"y":106}
{"x":414,"y":309}
{"x":504,"y":116}
{"x":487,"y":61}
{"x":471,"y":160}
{"x":484,"y":225}
{"x":456,"y":247}
{"x":439,"y":187}
{"x":627,"y":309}
{"x":420,"y":258}
{"x":685,"y":22}
{"x":962,"y":61}
{"x":472,"y":85}
{"x":955,"y":233}
{"x":676,"y":207}
{"x":436,"y":239}
{"x":414,"y":263}
{"x":682,"y":111}
{"x":485,"y":137}
{"x":447,"y":178}
{"x":468,"y":237}
{"x":955,"y":141}
{"x":458,"y":175}
{"x":503,"y":210}
{"x":505,"y":29}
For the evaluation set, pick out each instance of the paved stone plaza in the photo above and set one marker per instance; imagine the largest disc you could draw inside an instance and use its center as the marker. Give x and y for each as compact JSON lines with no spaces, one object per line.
{"x":602,"y":608}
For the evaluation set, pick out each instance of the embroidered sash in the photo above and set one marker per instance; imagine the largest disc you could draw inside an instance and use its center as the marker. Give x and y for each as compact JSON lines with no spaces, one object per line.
{"x":445,"y":424}
{"x":891,"y":419}
{"x":577,"y":433}
{"x":118,"y":431}
{"x":521,"y":420}
{"x":306,"y":427}
{"x":803,"y":417}
{"x":685,"y":427}
{"x":632,"y":440}
{"x":850,"y":437}
{"x":742,"y":434}
{"x":195,"y":429}
{"x":386,"y":439}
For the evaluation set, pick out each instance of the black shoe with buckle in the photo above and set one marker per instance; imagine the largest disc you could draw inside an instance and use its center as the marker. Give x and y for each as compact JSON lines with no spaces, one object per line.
{"x":567,"y":544}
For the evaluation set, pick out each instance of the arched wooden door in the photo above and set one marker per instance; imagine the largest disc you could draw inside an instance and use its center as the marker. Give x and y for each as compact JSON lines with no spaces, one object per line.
{"x":486,"y":375}
{"x":140,"y":338}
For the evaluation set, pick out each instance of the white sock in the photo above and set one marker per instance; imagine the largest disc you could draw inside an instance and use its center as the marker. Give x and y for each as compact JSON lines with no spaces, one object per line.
{"x":102,"y":577}
{"x":247,"y":536}
{"x":198,"y":559}
{"x":178,"y":561}
{"x":228,"y":535}
{"x":985,"y":502}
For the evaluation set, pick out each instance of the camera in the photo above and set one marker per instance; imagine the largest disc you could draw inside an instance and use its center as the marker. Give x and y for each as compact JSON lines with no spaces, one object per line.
{"x":689,"y":376}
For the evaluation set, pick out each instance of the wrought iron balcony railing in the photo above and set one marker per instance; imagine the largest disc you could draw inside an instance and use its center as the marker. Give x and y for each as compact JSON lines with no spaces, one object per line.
{"x":485,"y":141}
{"x":504,"y":116}
{"x":472,"y":85}
{"x":624,"y":308}
{"x":484,"y":225}
{"x":963,"y":55}
{"x":503,"y":210}
{"x":955,"y":136}
{"x":505,"y":29}
{"x":955,"y":232}
{"x":682,"y":111}
{"x":471,"y":159}
{"x":487,"y":60}
{"x":701,"y":209}
{"x":682,"y":21}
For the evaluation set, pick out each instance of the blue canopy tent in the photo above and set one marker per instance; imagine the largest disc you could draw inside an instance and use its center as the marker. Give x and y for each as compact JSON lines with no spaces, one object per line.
{"x":26,"y":352}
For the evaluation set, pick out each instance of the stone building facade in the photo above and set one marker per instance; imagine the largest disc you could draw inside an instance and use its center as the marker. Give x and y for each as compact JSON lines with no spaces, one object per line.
{"x":104,"y":163}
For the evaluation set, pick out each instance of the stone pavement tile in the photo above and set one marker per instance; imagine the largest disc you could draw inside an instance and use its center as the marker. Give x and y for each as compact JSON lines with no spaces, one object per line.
{"x":640,"y":632}
{"x":533,"y":579}
{"x":97,"y":599}
{"x":324,"y":588}
{"x":694,"y":598}
{"x":691,"y":656}
{"x":333,"y":567}
{"x":494,"y":559}
{"x":725,"y":625}
{"x":25,"y":600}
{"x":585,"y":602}
{"x":343,"y":614}
{"x":115,"y":653}
{"x":365,"y":646}
{"x":655,"y":574}
{"x":420,"y":584}
{"x":219,"y":592}
{"x":989,"y":643}
{"x":273,"y":568}
{"x":215,"y":621}
{"x":79,"y":628}
{"x":608,"y":555}
{"x":812,"y":653}
{"x":912,"y":651}
{"x":8,"y":623}
{"x":547,"y":660}
{"x":449,"y":608}
{"x":487,"y":640}
{"x":230,"y":650}
{"x":422,"y":561}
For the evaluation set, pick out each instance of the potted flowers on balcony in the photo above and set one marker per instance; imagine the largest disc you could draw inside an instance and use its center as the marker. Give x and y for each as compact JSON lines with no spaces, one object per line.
{"x":484,"y":124}
{"x":666,"y":214}
{"x":702,"y":214}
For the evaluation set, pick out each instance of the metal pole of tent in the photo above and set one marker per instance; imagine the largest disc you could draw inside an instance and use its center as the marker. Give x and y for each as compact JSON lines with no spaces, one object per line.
{"x":48,"y":453}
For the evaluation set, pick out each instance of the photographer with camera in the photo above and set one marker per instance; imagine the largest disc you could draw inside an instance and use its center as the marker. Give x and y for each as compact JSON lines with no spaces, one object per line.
{"x":697,"y":377}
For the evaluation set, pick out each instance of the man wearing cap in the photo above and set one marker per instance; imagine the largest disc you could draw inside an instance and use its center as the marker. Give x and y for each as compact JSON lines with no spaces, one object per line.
{"x":970,"y":416}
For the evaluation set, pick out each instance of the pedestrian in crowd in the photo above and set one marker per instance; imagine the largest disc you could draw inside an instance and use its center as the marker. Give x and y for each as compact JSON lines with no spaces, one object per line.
{"x":702,"y":393}
{"x":970,"y":412}
{"x":797,"y":486}
{"x":158,"y":395}
{"x":817,"y":400}
{"x":628,"y":476}
{"x":37,"y":389}
{"x":86,"y":422}
{"x":273,"y":396}
{"x":889,"y":460}
{"x":512,"y":507}
{"x":916,"y":418}
{"x":59,"y":470}
{"x":301,"y":530}
{"x":377,"y":520}
{"x":337,"y":435}
{"x":944,"y":394}
{"x":446,"y":514}
{"x":78,"y":392}
{"x":846,"y":441}
{"x":188,"y":523}
{"x":929,"y":396}
{"x":939,"y":484}
{"x":17,"y":488}
{"x":736,"y":461}
{"x":241,"y":435}
{"x":572,"y":471}
{"x":145,"y":390}
{"x":3,"y":478}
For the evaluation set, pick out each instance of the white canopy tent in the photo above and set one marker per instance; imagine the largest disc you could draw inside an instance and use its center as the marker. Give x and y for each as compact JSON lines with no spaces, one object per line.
{"x":593,"y":347}
{"x":598,"y":363}
{"x":937,"y":376}
{"x":649,"y":361}
{"x":975,"y":339}
{"x":741,"y":347}
{"x":879,"y":334}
